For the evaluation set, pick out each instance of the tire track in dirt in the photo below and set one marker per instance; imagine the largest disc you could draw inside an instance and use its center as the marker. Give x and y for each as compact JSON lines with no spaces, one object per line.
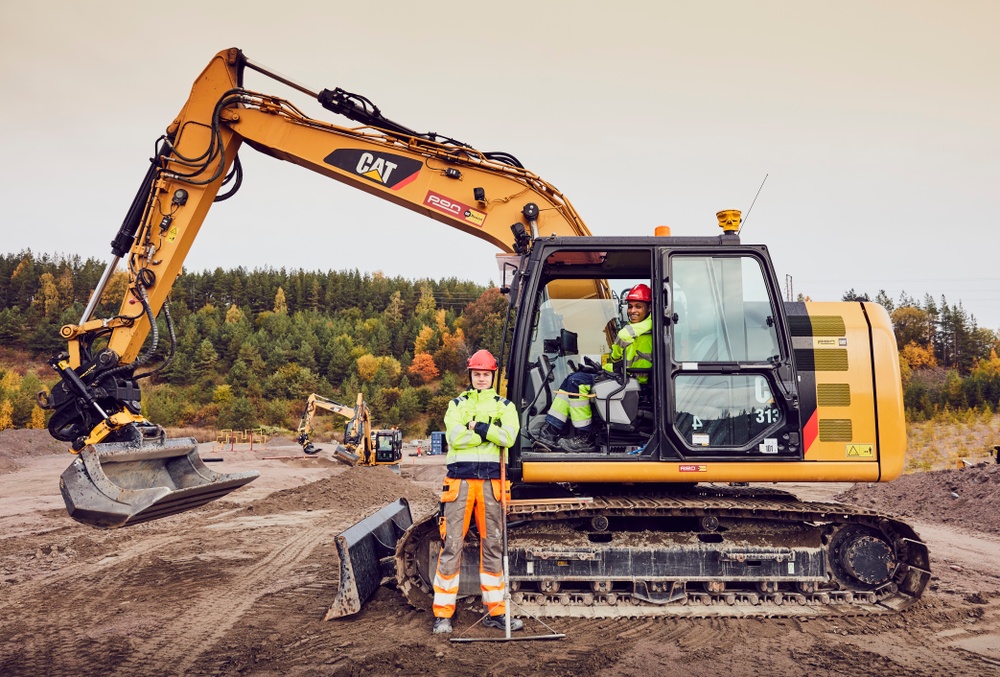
{"x":931,"y":650}
{"x":180,"y":642}
{"x":29,"y":650}
{"x":105,"y":566}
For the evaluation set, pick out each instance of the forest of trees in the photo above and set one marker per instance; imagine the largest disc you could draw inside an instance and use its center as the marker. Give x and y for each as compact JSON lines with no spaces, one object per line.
{"x":946,"y":359}
{"x":252,"y":345}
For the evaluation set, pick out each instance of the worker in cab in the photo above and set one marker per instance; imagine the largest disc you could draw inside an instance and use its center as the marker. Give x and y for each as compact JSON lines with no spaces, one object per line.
{"x":480,"y":425}
{"x":569,"y":422}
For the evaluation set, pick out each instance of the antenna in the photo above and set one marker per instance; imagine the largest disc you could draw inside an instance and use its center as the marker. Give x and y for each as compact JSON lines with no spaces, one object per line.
{"x":747,"y":217}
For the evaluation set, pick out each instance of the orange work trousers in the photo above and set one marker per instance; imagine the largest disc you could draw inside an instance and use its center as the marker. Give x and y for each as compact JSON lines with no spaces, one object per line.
{"x":460,"y":500}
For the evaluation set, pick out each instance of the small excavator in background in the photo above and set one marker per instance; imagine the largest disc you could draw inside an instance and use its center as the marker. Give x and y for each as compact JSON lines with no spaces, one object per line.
{"x":362,"y":445}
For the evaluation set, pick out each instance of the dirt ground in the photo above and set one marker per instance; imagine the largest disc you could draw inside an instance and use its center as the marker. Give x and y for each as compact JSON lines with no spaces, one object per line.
{"x":240,"y":586}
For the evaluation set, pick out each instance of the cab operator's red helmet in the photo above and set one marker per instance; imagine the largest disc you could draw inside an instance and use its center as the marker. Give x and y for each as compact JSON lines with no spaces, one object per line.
{"x":482,"y":360}
{"x":640,"y":292}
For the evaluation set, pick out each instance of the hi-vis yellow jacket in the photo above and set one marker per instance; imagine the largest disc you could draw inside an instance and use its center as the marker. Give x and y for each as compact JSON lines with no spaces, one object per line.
{"x":475,"y":454}
{"x":635,"y":344}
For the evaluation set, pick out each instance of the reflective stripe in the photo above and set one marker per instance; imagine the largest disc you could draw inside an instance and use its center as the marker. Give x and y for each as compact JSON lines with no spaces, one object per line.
{"x":505,"y":440}
{"x":445,"y":599}
{"x":445,"y":594}
{"x":580,"y":412}
{"x":493,"y":592}
{"x":493,"y":596}
{"x":560,"y":407}
{"x":444,"y":583}
{"x":491,"y":580}
{"x":558,"y":414}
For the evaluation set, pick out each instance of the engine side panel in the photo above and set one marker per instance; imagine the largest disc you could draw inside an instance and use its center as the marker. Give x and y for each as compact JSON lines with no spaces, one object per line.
{"x":849,"y":387}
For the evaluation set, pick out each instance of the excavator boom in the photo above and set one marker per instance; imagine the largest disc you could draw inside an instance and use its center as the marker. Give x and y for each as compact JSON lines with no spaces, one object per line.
{"x":97,"y":401}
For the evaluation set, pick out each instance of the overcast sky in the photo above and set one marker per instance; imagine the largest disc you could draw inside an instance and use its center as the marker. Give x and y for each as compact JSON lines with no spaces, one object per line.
{"x":877,"y":124}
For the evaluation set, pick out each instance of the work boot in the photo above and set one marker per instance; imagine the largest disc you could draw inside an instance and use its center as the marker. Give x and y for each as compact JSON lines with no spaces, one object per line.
{"x":547,"y":436}
{"x":499,"y":623}
{"x":581,"y":444}
{"x":442,"y":626}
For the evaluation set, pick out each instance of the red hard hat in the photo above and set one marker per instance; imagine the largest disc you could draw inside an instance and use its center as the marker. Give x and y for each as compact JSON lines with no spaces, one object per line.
{"x":640,"y":292}
{"x":482,"y":360}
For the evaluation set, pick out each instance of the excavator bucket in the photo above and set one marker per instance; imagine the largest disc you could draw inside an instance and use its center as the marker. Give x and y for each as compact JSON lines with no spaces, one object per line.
{"x":366,"y":552}
{"x":342,"y":454}
{"x":120,"y":484}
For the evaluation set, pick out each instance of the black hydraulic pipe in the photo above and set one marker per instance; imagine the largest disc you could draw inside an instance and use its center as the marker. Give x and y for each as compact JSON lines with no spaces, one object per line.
{"x":133,"y":219}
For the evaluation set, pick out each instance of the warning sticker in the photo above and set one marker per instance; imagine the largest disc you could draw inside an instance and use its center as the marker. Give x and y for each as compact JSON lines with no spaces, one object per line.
{"x":768,"y":446}
{"x":860,"y":451}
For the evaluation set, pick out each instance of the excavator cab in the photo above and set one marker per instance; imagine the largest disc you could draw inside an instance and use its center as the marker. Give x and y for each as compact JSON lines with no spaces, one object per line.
{"x":388,"y":446}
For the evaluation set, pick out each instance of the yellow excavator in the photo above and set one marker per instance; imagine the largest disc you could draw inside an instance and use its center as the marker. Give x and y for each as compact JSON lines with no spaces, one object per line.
{"x":656,"y":516}
{"x":362,"y":445}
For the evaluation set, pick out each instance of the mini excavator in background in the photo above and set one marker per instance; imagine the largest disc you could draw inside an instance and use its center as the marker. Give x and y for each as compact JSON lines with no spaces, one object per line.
{"x":362,"y":445}
{"x":656,"y":517}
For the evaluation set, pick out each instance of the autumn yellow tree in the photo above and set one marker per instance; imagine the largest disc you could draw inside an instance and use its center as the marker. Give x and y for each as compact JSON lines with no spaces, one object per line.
{"x":280,"y":303}
{"x":115,"y":291}
{"x":425,"y":341}
{"x":234,"y":314}
{"x":918,"y":357}
{"x":64,"y":283}
{"x":6,"y":414}
{"x":37,"y":421}
{"x":10,"y":382}
{"x":452,"y":354}
{"x":48,"y":295}
{"x":367,"y":366}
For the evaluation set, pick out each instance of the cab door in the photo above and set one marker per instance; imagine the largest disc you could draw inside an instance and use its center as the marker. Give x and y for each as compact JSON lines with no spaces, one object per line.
{"x":730,"y":387}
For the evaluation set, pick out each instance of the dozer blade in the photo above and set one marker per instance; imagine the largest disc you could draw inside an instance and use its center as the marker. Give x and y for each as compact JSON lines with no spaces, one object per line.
{"x":366,"y":552}
{"x":120,"y":484}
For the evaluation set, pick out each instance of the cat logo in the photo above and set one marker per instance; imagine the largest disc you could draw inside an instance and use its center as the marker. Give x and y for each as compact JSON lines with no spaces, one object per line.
{"x":385,"y":169}
{"x":860,"y":451}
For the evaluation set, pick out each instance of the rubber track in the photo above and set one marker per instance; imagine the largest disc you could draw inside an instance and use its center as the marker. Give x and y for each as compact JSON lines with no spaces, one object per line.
{"x":731,"y":503}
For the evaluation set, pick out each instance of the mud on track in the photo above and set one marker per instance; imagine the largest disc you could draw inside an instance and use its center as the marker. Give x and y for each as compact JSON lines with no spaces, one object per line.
{"x":240,"y":587}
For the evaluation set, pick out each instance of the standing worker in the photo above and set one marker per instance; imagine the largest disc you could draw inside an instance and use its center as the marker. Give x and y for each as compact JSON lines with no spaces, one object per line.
{"x":480,"y":426}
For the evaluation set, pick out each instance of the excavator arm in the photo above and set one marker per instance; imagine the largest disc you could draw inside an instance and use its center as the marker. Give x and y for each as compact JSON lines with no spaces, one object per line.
{"x":445,"y":181}
{"x":97,"y":400}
